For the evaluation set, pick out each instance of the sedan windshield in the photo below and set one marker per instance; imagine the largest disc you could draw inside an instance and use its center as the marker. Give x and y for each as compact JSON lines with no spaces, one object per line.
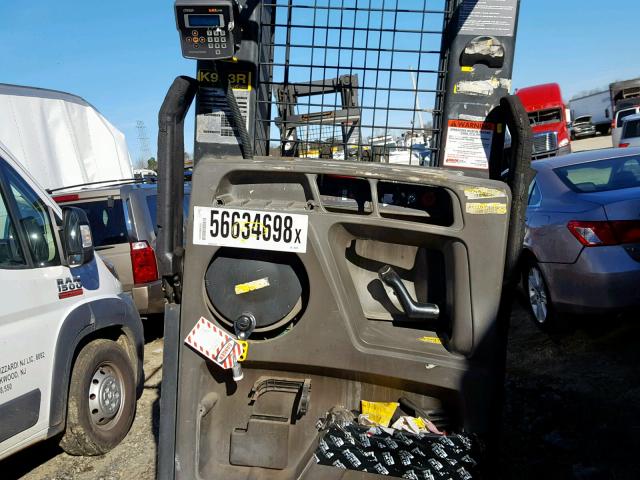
{"x":602,"y":175}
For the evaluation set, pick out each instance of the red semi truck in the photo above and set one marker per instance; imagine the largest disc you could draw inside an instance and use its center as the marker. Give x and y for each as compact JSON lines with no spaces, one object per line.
{"x":548,"y":118}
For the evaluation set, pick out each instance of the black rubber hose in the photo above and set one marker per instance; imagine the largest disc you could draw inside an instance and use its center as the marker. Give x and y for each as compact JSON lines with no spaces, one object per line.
{"x":414,"y":310}
{"x":519,"y":178}
{"x":171,"y":173}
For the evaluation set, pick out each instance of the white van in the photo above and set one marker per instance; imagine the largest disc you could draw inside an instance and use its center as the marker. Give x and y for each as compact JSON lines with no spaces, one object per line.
{"x":71,"y":343}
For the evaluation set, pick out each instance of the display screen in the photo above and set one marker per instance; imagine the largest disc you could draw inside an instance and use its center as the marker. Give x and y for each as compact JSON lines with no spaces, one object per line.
{"x":204,"y":21}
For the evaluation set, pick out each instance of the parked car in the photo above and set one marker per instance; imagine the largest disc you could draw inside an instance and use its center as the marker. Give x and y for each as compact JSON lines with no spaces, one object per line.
{"x":582,"y":127}
{"x":71,"y":342}
{"x":582,"y":243}
{"x":618,"y":122}
{"x":123,"y":221}
{"x":595,"y":105}
{"x":630,"y":132}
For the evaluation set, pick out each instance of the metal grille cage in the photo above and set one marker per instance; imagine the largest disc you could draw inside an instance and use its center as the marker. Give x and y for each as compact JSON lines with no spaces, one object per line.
{"x":352,"y":79}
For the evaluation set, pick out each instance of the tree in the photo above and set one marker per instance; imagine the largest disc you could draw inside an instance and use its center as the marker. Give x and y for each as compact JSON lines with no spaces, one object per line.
{"x":152,"y":164}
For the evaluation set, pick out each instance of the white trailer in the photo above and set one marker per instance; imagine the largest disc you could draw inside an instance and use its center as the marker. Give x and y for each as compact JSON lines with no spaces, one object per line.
{"x":60,"y":138}
{"x":597,"y":105}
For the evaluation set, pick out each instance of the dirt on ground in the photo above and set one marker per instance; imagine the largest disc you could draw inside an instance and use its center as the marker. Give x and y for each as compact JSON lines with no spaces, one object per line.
{"x":572,"y":410}
{"x":572,"y":405}
{"x":134,"y":458}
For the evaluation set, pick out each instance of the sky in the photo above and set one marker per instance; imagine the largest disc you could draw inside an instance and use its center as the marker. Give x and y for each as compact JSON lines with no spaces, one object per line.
{"x":121,"y":56}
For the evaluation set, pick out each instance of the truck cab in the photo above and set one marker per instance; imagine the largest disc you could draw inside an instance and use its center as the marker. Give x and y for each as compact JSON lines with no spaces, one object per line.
{"x":548,"y":119}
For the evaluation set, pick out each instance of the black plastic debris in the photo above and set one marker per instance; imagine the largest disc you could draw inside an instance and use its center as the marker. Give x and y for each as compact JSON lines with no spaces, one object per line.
{"x":398,"y":454}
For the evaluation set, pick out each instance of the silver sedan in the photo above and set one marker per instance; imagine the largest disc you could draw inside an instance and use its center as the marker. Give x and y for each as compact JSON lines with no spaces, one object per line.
{"x":582,"y":243}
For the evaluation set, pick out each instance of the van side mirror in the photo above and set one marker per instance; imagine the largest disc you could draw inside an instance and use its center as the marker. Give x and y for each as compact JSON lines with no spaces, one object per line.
{"x":76,"y":236}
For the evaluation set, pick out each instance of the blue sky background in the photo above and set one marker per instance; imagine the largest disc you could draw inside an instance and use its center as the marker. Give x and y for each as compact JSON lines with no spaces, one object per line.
{"x":121,"y":56}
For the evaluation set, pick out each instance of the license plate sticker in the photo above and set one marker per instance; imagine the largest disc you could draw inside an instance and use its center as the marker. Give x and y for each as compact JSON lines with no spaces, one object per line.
{"x":256,"y":230}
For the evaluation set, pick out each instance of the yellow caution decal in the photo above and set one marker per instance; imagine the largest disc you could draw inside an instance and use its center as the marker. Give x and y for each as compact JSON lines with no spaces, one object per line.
{"x":480,"y":193}
{"x":433,"y":340}
{"x":486,"y":208}
{"x":252,"y":286}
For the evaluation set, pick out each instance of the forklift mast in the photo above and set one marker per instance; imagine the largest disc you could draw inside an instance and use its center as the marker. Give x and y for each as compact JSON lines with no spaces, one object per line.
{"x":354,"y":228}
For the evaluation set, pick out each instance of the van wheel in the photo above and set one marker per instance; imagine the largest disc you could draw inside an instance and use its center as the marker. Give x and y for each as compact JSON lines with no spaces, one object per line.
{"x":102,"y":399}
{"x":538,"y":297}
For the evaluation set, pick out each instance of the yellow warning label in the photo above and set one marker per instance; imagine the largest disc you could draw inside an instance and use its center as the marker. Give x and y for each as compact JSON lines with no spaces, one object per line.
{"x":434,"y":340}
{"x":467,"y":69}
{"x":480,"y":193}
{"x":251,"y":286}
{"x":487,"y":208}
{"x":379,"y":412}
{"x":237,"y":80}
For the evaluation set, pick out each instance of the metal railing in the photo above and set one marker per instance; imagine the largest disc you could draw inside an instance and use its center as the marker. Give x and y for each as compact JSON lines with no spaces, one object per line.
{"x":352,"y":79}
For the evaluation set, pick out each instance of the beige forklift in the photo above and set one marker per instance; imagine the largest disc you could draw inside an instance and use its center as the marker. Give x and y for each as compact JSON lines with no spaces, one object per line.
{"x":319,"y":306}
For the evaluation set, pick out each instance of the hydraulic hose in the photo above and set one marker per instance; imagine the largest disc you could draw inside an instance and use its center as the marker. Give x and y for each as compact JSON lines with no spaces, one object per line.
{"x":519,"y":178}
{"x":171,"y":181}
{"x":413,"y":310}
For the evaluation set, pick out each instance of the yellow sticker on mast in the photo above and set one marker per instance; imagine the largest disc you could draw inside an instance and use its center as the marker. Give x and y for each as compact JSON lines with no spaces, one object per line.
{"x":237,"y":80}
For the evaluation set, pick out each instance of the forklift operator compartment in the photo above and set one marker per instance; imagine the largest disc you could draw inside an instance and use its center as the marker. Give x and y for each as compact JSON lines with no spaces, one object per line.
{"x":338,"y":308}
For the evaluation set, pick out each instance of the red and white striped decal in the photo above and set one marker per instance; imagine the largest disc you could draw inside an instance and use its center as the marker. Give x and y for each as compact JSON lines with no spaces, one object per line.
{"x":214,"y":343}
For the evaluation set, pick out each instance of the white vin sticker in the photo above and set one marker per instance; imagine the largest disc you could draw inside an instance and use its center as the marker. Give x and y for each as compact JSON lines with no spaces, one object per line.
{"x":227,"y":227}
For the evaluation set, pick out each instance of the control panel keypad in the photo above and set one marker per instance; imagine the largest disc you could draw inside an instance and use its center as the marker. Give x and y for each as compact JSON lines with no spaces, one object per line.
{"x":204,"y":29}
{"x":215,"y":39}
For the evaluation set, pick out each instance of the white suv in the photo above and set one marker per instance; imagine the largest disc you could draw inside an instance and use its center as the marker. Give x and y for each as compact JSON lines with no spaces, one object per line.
{"x":630,"y":132}
{"x":618,"y":122}
{"x":70,"y":342}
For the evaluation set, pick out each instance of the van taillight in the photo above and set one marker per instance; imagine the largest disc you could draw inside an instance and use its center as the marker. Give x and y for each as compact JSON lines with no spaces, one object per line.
{"x":624,"y":145}
{"x":143,"y":263}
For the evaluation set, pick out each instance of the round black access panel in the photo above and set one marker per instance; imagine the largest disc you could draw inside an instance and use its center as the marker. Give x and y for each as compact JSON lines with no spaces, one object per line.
{"x":265,"y":284}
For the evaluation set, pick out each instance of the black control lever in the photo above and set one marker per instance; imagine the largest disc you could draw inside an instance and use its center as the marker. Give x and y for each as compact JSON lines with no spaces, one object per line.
{"x":414,"y":310}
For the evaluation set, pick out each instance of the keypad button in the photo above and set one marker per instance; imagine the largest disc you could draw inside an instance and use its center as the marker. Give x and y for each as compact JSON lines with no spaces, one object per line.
{"x":196,"y":39}
{"x":217,"y":45}
{"x":209,"y":33}
{"x":194,"y":33}
{"x":210,"y":39}
{"x":218,"y":52}
{"x":189,"y":39}
{"x":202,"y":40}
{"x":216,"y":33}
{"x":210,"y":45}
{"x":196,"y":45}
